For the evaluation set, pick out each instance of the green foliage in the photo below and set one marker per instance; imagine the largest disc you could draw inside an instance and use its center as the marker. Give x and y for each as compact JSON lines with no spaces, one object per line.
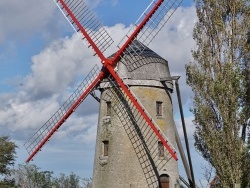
{"x":7,"y":183}
{"x":246,"y":163}
{"x":31,"y":176}
{"x":219,"y":79}
{"x":7,"y":155}
{"x":71,"y":181}
{"x":87,"y":182}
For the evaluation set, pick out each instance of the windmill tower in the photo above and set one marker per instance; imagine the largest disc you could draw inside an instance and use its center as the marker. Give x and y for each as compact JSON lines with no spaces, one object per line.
{"x":121,"y":158}
{"x":136,"y":136}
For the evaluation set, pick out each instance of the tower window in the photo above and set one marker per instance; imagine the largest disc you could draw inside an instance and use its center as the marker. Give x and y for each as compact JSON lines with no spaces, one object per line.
{"x":160,"y":149}
{"x":108,"y":108}
{"x":158,"y":108}
{"x":164,"y":181}
{"x":105,"y":148}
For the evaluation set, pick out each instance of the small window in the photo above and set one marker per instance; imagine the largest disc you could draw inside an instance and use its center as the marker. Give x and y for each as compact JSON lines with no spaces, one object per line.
{"x":105,"y":148}
{"x":108,"y":108}
{"x":160,"y":149}
{"x":164,"y":181}
{"x":158,"y":108}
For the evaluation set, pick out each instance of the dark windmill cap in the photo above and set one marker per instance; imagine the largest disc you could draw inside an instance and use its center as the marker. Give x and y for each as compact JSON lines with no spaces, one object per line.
{"x":142,"y":66}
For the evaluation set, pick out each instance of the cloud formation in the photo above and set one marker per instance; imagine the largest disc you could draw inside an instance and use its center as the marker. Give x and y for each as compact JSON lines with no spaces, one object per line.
{"x":174,"y":43}
{"x":22,"y":18}
{"x":64,"y":62}
{"x":57,"y":66}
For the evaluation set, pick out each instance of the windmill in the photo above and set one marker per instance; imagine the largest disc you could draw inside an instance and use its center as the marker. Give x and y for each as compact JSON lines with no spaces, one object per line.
{"x":122,"y":101}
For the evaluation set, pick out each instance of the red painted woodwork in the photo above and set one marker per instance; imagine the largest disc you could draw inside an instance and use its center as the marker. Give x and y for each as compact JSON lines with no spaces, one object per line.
{"x":69,"y":112}
{"x":109,"y":65}
{"x":136,"y":32}
{"x":83,"y":31}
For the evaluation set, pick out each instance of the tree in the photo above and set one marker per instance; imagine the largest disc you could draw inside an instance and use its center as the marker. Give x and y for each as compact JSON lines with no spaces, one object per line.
{"x":71,"y":181}
{"x":246,"y":72}
{"x":31,"y":176}
{"x":246,"y":158}
{"x":218,"y":78}
{"x":87,"y":182}
{"x":7,"y":155}
{"x":7,"y":183}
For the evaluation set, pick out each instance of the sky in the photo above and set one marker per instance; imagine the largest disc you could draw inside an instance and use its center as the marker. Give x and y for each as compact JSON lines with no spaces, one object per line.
{"x":42,"y":60}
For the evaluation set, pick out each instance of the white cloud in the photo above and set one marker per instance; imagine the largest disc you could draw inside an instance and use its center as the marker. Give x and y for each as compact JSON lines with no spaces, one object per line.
{"x":175,"y":40}
{"x":54,"y":71}
{"x":60,"y":64}
{"x":190,"y":128}
{"x":57,"y":66}
{"x":80,"y":130}
{"x":18,"y":113}
{"x":20,"y":19}
{"x":174,"y":43}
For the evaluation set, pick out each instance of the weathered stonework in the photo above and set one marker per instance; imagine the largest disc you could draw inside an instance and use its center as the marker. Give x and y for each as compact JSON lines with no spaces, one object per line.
{"x":124,"y":167}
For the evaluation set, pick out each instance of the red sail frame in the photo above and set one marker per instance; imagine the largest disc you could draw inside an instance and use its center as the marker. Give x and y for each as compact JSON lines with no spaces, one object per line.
{"x":109,"y":64}
{"x":95,"y":82}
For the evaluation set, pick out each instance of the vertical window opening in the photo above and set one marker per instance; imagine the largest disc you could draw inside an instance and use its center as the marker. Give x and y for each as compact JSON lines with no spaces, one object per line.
{"x":160,"y":149}
{"x":108,"y":108}
{"x":105,"y":147}
{"x":158,"y":108}
{"x":164,"y":181}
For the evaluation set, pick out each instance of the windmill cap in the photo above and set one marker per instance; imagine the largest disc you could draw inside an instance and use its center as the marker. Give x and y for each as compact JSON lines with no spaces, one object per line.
{"x":142,"y":66}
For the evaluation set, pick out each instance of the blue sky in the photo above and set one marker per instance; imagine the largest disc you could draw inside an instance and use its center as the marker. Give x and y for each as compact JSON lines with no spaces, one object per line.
{"x":42,"y":59}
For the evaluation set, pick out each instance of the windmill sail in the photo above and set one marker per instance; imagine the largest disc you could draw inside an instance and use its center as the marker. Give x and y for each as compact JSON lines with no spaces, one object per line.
{"x":150,"y":29}
{"x":85,"y":23}
{"x":36,"y":142}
